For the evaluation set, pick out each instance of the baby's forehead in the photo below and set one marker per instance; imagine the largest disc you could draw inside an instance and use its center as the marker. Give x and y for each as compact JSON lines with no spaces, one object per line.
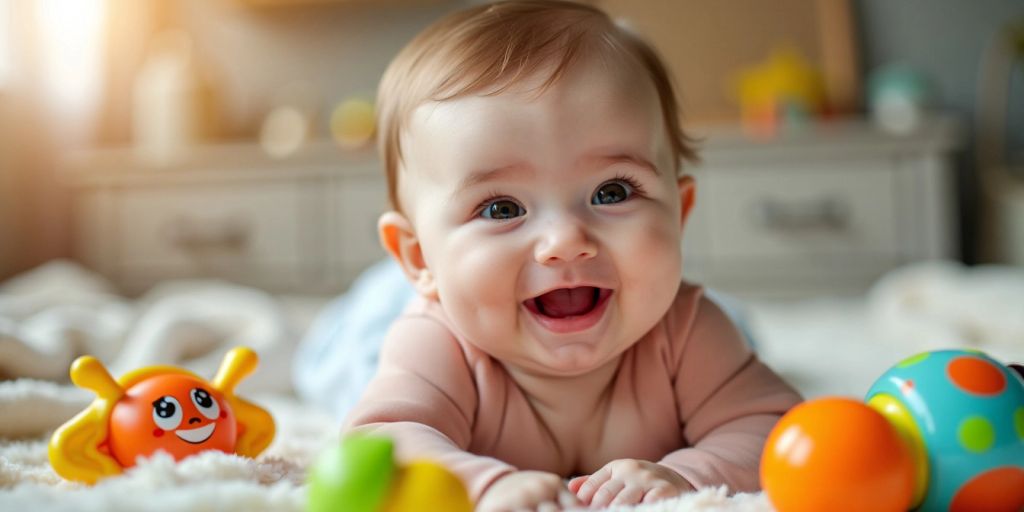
{"x":589,"y":85}
{"x":590,"y":107}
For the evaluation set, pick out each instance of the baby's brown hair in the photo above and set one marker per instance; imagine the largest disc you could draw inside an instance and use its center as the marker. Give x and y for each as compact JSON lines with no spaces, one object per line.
{"x":488,"y":48}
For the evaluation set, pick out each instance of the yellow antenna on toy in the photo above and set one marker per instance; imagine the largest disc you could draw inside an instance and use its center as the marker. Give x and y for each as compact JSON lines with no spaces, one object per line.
{"x":256,"y":426}
{"x":237,"y":365}
{"x":73,"y":448}
{"x":88,"y":372}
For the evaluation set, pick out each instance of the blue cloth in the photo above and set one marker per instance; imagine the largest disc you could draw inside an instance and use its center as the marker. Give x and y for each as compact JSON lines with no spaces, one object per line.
{"x":339,"y":353}
{"x":338,"y":356}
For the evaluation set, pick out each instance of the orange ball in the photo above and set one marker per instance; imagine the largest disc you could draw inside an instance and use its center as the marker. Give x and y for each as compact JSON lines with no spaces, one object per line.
{"x":175,"y":413}
{"x":836,"y":454}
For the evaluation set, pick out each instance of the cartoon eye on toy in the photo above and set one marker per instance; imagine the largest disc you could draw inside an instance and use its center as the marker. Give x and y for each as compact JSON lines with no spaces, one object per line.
{"x":206,"y":405}
{"x":167,"y":413}
{"x":157,"y":408}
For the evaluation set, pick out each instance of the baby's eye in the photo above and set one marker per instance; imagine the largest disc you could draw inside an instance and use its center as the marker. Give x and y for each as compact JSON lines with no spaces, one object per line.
{"x":611,"y":192}
{"x":502,"y":209}
{"x":205,"y":403}
{"x":167,"y":412}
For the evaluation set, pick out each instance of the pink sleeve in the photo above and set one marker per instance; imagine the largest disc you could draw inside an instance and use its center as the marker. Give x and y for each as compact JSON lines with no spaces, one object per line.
{"x":728,"y":400}
{"x":423,"y":397}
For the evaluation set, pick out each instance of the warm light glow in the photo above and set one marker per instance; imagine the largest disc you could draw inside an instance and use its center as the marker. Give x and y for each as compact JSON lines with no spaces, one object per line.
{"x":5,"y":41}
{"x":70,"y":36}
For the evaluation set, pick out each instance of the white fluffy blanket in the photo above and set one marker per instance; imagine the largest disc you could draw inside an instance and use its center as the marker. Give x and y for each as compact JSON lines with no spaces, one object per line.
{"x":943,"y":304}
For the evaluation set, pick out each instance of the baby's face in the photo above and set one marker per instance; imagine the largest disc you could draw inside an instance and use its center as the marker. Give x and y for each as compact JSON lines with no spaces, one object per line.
{"x":550,"y":225}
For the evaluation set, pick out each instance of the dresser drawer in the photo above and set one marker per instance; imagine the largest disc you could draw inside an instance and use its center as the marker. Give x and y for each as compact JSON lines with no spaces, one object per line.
{"x":267,"y":231}
{"x":830,"y":211}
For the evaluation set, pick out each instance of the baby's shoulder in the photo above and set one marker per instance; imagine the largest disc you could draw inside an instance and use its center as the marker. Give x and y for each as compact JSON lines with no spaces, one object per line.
{"x":693,"y":317}
{"x":423,"y":325}
{"x":688,"y":303}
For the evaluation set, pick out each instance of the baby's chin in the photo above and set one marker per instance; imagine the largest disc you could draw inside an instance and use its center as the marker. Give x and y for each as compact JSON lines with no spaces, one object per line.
{"x":569,"y":360}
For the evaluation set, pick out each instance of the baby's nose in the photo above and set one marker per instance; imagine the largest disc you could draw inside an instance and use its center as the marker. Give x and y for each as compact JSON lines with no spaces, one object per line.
{"x":564,"y":242}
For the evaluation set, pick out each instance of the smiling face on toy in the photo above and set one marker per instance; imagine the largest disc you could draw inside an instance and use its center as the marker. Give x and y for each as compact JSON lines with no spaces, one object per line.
{"x":176,"y":413}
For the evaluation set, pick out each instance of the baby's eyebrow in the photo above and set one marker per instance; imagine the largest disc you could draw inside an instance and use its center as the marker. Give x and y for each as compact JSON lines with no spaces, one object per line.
{"x":485,"y":175}
{"x":628,"y":157}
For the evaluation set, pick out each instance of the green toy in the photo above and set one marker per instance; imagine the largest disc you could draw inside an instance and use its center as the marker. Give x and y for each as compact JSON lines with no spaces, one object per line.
{"x":360,"y":475}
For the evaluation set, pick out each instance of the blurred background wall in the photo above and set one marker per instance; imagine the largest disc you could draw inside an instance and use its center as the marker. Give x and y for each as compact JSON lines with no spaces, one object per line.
{"x":946,"y":40}
{"x":248,"y":56}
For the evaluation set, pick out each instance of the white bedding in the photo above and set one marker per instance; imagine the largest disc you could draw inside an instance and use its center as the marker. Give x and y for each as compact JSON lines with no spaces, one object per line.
{"x":840,"y":345}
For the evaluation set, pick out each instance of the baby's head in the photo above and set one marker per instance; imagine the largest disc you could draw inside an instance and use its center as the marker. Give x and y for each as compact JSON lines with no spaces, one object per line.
{"x":533,"y":154}
{"x":491,"y":48}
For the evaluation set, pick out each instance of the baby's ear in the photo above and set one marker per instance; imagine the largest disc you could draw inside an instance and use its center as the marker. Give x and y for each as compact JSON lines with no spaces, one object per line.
{"x":400,"y":241}
{"x":687,"y":196}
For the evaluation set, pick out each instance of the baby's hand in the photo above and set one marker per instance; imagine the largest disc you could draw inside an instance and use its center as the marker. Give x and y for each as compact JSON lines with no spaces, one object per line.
{"x":527,"y":490}
{"x":627,"y":482}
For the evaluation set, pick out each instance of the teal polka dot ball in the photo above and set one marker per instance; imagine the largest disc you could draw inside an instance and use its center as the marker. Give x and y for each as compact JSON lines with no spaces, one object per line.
{"x":962,"y":414}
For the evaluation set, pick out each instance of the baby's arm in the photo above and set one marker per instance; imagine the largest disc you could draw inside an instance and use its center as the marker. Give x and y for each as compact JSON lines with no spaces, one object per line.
{"x":728,"y":402}
{"x":424,"y":397}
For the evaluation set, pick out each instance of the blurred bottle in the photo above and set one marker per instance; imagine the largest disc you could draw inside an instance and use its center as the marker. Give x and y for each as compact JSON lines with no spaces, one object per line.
{"x":168,"y":100}
{"x":899,"y":97}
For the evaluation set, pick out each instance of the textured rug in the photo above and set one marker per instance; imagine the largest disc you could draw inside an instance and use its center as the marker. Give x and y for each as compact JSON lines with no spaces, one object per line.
{"x":30,"y":410}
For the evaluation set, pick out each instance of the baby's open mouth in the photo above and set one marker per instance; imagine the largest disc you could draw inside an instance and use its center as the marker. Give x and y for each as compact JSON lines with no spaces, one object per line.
{"x":567,"y":302}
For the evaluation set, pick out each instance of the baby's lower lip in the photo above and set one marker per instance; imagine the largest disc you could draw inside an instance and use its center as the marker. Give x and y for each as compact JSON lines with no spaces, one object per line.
{"x":577,"y":323}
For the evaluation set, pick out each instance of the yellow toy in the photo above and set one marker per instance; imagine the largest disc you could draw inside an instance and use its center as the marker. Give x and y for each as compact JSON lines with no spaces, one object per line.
{"x":155,"y":408}
{"x":785,"y":89}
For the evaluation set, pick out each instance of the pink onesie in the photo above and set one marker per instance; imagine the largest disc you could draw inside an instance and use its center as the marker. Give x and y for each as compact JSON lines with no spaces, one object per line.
{"x":690,"y":394}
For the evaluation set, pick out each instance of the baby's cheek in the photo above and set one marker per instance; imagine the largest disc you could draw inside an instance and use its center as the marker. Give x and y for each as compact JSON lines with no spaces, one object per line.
{"x":653,"y":266}
{"x":478,"y":286}
{"x":657,"y":250}
{"x":484,"y":271}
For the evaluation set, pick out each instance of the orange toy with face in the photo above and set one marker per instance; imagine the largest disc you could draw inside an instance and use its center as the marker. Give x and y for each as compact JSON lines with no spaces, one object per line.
{"x":158,"y":408}
{"x":178,"y":414}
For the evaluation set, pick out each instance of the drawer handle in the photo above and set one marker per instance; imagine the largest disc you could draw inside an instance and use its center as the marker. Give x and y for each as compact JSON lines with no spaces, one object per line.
{"x":827,"y":214}
{"x":194,"y":236}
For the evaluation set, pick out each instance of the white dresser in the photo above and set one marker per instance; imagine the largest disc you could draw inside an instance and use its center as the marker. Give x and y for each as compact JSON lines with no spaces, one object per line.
{"x":306,"y":223}
{"x":827,"y":210}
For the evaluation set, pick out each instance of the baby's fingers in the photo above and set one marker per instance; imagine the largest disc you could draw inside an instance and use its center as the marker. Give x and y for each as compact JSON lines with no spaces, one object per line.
{"x":576,"y":483}
{"x":630,"y":495}
{"x":608,"y":492}
{"x":590,"y":486}
{"x":660,"y":492}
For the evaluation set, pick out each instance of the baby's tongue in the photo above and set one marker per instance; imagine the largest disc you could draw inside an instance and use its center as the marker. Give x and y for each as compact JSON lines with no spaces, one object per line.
{"x":567,"y":302}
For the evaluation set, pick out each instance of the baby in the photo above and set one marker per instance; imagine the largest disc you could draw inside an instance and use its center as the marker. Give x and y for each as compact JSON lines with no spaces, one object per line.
{"x":533,"y":154}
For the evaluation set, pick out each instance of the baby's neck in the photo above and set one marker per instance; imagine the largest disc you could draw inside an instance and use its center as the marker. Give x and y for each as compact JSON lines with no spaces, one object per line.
{"x":567,"y":394}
